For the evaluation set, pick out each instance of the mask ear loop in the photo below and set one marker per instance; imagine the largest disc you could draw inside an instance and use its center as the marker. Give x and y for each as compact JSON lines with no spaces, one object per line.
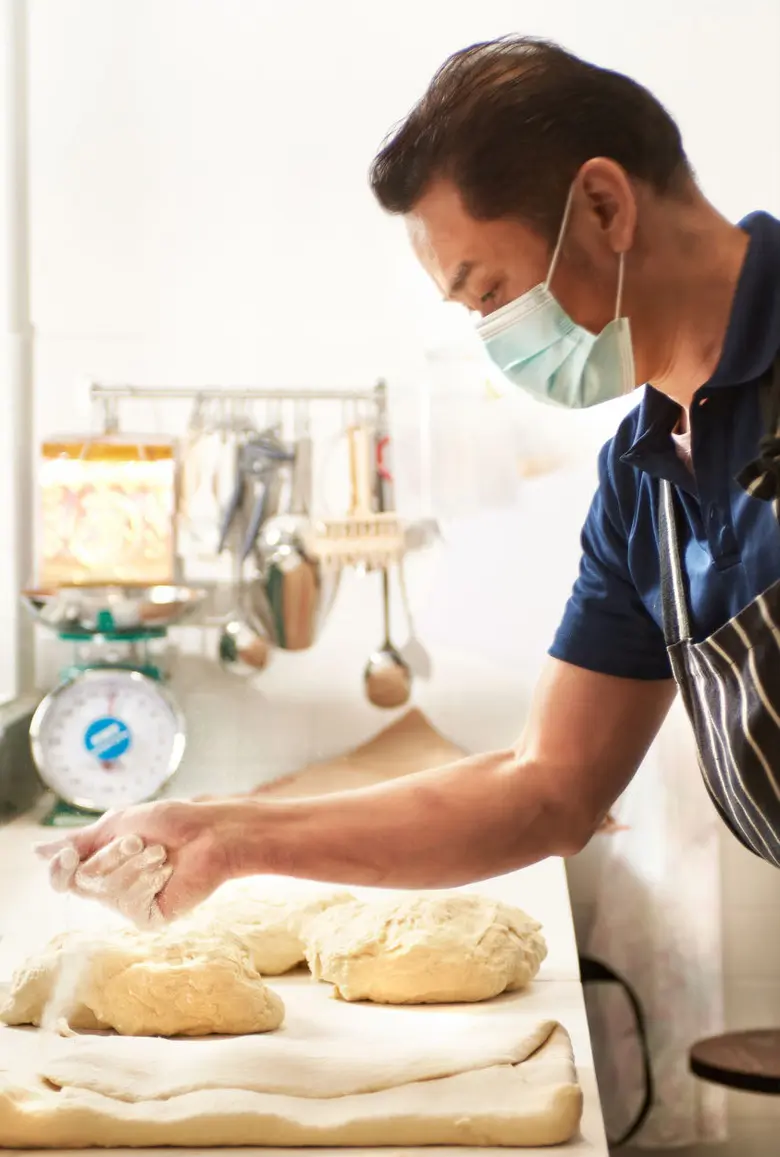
{"x":561,"y":235}
{"x":559,"y":246}
{"x":621,"y":271}
{"x":626,"y":355}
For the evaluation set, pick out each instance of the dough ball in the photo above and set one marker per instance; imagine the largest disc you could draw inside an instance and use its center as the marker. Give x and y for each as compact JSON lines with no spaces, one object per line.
{"x":424,"y":949}
{"x":146,"y":984}
{"x":270,"y":925}
{"x":181,"y":985}
{"x":57,"y":970}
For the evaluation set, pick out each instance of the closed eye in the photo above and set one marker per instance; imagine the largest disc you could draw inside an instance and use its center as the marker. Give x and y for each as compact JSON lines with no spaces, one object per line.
{"x":490,"y":301}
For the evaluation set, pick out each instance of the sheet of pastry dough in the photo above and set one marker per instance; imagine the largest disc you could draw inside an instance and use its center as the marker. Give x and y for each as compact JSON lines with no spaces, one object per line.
{"x":241,"y":1089}
{"x":323,"y":1067}
{"x":534,"y":1103}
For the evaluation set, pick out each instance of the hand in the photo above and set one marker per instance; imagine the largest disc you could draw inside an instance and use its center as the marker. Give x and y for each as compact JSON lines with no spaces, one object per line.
{"x":171,"y":854}
{"x":124,"y":875}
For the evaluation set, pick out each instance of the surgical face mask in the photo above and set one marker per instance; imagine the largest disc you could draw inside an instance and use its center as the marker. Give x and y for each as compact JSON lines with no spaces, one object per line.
{"x":538,"y":347}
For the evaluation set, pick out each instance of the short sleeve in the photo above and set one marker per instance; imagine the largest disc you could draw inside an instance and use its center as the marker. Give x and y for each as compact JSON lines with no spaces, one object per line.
{"x":606,"y":626}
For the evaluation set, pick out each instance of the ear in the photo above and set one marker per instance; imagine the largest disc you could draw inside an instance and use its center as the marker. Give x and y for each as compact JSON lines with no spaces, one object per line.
{"x":608,"y":196}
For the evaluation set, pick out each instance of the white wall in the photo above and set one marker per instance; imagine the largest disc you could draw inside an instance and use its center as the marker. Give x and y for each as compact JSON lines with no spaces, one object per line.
{"x":200,"y":213}
{"x":15,"y":351}
{"x":199,"y":198}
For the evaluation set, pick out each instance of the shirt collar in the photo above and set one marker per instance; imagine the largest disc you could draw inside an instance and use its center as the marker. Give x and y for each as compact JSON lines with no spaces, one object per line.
{"x":751,"y":344}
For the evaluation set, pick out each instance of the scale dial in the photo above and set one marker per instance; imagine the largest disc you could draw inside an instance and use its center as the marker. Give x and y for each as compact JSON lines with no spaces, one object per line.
{"x":107,"y":738}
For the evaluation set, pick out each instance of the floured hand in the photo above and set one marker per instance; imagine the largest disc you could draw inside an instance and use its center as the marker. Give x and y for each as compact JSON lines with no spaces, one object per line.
{"x":124,"y":875}
{"x":151,"y":863}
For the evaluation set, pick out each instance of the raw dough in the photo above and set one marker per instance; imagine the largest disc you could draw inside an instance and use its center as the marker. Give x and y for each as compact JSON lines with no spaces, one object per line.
{"x":53,"y":973}
{"x":270,"y":925}
{"x":537,"y":1103}
{"x":324,"y":1063}
{"x":503,"y":1089}
{"x":145,"y":984}
{"x":424,"y":949}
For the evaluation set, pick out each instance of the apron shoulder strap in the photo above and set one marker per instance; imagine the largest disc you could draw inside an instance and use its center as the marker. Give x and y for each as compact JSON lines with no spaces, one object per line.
{"x":761,"y":477}
{"x":674,"y":608}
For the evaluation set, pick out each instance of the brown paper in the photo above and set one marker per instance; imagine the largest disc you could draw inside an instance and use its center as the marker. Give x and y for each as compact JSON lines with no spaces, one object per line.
{"x":408,"y":745}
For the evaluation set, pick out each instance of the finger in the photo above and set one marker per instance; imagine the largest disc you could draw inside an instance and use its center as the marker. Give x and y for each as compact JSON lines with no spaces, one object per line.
{"x":113,"y":856}
{"x":62,"y":869}
{"x":86,"y":842}
{"x":122,"y":877}
{"x":130,"y":875}
{"x":139,"y":903}
{"x":48,"y":850}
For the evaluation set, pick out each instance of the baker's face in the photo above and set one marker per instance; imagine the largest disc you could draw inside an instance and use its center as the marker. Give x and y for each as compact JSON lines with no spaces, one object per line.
{"x":486,"y":264}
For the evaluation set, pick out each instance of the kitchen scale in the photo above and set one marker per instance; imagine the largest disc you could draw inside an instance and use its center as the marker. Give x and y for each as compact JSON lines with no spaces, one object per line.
{"x":110,"y":734}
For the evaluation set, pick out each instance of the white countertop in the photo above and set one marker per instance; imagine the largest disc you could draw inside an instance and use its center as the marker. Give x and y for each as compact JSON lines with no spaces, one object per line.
{"x":30,"y":913}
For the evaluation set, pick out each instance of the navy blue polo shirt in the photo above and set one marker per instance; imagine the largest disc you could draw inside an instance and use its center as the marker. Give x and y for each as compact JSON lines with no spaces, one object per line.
{"x":730,"y":542}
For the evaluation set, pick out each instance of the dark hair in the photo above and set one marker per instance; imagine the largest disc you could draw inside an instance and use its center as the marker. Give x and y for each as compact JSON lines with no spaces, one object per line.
{"x":511,"y":121}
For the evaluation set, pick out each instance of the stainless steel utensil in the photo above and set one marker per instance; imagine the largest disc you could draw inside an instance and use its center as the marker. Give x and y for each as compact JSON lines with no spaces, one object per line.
{"x":414,"y":652}
{"x":291,"y":594}
{"x":257,"y":471}
{"x":111,"y":610}
{"x":387,"y":677}
{"x":244,"y":649}
{"x":242,"y":652}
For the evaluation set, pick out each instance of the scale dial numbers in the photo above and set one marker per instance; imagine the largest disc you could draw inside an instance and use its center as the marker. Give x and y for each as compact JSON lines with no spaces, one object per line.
{"x":107,"y":738}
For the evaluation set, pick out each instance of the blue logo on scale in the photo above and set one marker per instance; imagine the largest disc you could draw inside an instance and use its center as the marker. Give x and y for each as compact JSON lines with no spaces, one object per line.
{"x":108,"y":738}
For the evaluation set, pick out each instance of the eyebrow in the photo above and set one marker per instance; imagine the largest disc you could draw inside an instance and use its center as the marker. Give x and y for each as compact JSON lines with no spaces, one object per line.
{"x":461,"y":277}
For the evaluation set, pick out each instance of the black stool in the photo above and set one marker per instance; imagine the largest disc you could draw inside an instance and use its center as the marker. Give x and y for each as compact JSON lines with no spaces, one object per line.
{"x":749,"y":1061}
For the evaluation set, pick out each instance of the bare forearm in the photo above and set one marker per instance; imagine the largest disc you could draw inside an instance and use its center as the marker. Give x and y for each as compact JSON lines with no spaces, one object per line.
{"x":483,"y":816}
{"x":585,"y":735}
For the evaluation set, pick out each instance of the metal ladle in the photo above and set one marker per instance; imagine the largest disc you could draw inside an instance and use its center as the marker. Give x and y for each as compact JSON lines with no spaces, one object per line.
{"x":387,"y":677}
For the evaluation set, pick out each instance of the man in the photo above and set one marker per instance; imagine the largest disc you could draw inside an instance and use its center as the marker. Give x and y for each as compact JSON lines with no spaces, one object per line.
{"x":554,"y":200}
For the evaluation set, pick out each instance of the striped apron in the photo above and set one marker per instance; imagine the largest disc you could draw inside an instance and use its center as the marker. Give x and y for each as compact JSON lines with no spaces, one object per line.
{"x":730,"y":682}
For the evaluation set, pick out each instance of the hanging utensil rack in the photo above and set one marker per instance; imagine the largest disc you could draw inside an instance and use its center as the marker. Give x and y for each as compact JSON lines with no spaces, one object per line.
{"x":364,"y":538}
{"x":107,"y":398}
{"x":369,"y":535}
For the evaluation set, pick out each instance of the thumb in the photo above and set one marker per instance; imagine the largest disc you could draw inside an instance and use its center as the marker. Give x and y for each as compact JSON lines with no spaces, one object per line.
{"x":176,"y":897}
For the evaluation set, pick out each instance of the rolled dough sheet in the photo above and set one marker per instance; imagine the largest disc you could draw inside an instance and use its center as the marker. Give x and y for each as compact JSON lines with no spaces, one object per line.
{"x":144,"y":1069}
{"x":127,"y":1093}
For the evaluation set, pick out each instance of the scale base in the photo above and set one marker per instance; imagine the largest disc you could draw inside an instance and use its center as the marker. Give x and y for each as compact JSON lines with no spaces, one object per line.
{"x":65,"y":815}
